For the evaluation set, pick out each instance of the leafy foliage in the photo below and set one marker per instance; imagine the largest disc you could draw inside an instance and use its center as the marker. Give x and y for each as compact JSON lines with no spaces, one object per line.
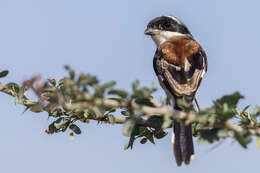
{"x":3,"y":73}
{"x":82,"y":98}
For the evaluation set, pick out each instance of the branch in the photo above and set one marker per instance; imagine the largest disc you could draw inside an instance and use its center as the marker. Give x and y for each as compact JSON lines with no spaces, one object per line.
{"x":83,"y":99}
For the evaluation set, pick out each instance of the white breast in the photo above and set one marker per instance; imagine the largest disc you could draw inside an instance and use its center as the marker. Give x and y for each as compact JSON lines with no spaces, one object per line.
{"x":163,"y":36}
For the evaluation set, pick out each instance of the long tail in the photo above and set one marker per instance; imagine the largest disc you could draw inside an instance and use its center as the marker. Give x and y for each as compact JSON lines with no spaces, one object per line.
{"x":183,"y":145}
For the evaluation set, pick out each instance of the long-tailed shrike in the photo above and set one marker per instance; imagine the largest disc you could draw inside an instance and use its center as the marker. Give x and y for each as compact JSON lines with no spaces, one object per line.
{"x":180,"y":64}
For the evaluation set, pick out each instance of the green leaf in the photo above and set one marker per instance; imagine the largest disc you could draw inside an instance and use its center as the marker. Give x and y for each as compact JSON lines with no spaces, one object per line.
{"x":181,"y":103}
{"x":158,"y":120}
{"x":135,"y":85}
{"x":257,"y":111}
{"x":52,"y":82}
{"x":208,"y":136}
{"x":144,"y":101}
{"x":116,"y":99}
{"x":36,"y":108}
{"x":232,"y":100}
{"x":72,"y":74}
{"x":155,"y":118}
{"x":126,"y":146}
{"x":166,"y":122}
{"x":13,"y":86}
{"x":111,"y":119}
{"x":20,"y":96}
{"x":3,"y":73}
{"x":75,"y":129}
{"x":108,"y":85}
{"x":258,"y":142}
{"x":150,"y":138}
{"x":49,"y":89}
{"x":143,"y":141}
{"x":143,"y":131}
{"x":67,"y":67}
{"x":61,"y":81}
{"x":125,"y":113}
{"x":60,"y":123}
{"x":225,"y":107}
{"x":168,"y":100}
{"x":130,"y":143}
{"x":142,"y":93}
{"x":243,"y":138}
{"x":120,"y":93}
{"x":56,"y":113}
{"x":51,"y":129}
{"x":226,"y":114}
{"x":88,"y":80}
{"x":159,"y":134}
{"x":128,"y":127}
{"x":244,"y":110}
{"x":110,"y":109}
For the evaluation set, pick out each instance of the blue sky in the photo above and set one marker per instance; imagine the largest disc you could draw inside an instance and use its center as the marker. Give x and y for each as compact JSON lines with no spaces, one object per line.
{"x":106,"y":38}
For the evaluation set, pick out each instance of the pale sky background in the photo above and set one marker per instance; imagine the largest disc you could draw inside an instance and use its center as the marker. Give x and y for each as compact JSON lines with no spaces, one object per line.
{"x":106,"y":38}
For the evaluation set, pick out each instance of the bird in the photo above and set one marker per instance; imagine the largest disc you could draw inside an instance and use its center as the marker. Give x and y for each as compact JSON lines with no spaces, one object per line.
{"x":180,"y":64}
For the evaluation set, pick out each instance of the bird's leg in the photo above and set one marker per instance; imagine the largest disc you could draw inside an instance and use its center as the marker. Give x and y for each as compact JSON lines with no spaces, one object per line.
{"x":197,"y":103}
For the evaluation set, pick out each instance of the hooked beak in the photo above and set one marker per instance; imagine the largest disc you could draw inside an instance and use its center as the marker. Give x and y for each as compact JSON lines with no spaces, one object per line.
{"x":150,"y":31}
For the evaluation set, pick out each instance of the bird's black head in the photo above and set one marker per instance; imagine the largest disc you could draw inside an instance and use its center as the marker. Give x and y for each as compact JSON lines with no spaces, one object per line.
{"x":167,"y":23}
{"x":163,"y":28}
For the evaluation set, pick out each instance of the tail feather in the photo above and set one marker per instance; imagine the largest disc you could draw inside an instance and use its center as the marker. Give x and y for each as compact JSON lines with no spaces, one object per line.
{"x":183,"y":144}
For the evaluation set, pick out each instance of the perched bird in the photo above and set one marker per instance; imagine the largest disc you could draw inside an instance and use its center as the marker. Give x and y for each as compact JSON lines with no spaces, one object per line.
{"x":180,"y":64}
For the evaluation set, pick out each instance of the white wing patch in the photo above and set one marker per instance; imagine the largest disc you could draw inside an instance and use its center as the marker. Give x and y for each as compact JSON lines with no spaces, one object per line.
{"x":173,"y":138}
{"x":204,"y":64}
{"x":203,"y":73}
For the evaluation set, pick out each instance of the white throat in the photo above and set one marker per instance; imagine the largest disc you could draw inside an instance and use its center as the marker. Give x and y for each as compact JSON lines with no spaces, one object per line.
{"x":163,"y":36}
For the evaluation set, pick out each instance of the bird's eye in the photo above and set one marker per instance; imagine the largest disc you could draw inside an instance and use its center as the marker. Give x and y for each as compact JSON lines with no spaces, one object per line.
{"x":160,"y":26}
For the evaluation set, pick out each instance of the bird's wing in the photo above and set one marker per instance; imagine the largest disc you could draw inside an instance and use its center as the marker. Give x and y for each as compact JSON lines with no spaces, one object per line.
{"x":180,"y":77}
